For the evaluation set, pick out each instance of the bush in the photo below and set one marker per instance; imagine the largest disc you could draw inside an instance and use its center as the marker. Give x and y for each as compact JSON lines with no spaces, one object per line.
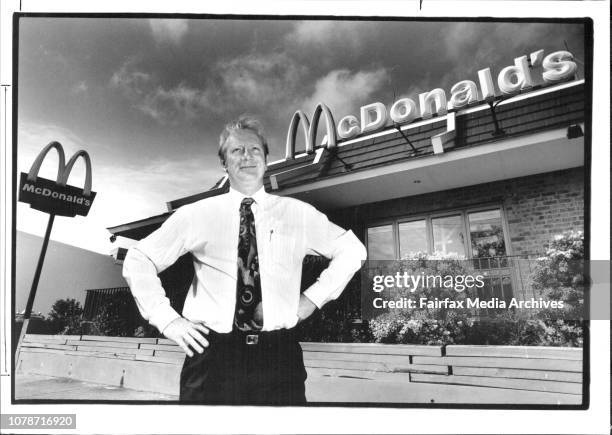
{"x":331,"y":324}
{"x":509,"y":329}
{"x":559,"y":275}
{"x":116,"y":318}
{"x":563,"y":265}
{"x":65,"y":317}
{"x":146,"y":331}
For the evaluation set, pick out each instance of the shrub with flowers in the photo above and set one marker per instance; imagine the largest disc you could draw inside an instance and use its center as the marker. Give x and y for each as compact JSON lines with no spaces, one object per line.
{"x":402,"y":328}
{"x":508,"y":328}
{"x":559,"y":275}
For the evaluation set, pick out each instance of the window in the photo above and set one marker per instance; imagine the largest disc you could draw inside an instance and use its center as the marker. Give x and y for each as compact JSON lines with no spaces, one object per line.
{"x":448,"y":235}
{"x":487,"y":234}
{"x":470,"y":233}
{"x":412,"y":237}
{"x":380,"y":243}
{"x":476,"y":235}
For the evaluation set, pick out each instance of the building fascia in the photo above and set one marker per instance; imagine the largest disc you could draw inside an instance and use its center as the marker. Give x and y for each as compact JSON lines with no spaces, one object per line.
{"x":431,"y":161}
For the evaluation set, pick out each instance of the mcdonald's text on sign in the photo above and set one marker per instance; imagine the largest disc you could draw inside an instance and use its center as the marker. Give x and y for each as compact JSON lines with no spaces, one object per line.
{"x":46,"y":195}
{"x":554,"y":68}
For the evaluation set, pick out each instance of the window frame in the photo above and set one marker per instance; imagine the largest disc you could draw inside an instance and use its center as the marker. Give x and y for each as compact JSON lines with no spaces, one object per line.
{"x":463,"y":212}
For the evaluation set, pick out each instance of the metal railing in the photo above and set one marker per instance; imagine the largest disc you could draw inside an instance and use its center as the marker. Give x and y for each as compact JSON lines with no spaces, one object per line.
{"x":96,"y":298}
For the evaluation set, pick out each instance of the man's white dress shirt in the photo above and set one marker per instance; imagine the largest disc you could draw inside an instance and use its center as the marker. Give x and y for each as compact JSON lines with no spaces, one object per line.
{"x":287,"y":230}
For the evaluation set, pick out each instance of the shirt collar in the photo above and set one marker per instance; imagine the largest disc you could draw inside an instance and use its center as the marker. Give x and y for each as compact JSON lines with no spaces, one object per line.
{"x":260,"y":197}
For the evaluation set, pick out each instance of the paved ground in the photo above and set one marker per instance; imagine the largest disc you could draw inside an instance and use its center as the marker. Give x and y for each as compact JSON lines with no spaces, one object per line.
{"x":32,"y":386}
{"x":319,"y":389}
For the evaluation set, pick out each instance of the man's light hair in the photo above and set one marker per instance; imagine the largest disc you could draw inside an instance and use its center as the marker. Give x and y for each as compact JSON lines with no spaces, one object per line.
{"x":244,"y":122}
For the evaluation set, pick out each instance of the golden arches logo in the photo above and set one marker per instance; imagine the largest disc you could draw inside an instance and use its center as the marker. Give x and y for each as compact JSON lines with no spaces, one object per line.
{"x":63,"y":170}
{"x":57,"y":197}
{"x":310,"y":130}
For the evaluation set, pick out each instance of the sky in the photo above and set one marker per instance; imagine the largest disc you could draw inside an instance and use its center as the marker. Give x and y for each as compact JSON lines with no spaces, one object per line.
{"x":148,"y":98}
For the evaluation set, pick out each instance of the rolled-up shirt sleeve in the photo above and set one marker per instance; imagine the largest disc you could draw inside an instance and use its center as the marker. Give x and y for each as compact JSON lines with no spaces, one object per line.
{"x":147,"y":259}
{"x":342,"y":247}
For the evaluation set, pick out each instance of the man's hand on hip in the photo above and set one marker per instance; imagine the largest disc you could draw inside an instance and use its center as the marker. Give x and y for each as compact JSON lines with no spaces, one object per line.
{"x":187,"y":334}
{"x":305,"y":308}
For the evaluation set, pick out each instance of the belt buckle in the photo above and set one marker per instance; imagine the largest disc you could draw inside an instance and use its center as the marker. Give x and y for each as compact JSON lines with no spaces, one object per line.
{"x":252,"y":339}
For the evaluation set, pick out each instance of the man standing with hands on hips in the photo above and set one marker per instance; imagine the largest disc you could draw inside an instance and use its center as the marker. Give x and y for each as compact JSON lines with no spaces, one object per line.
{"x":237,"y":325}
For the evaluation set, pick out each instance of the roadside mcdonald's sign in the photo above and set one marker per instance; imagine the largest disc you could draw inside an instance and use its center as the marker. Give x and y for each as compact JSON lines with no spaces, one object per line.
{"x":57,"y":197}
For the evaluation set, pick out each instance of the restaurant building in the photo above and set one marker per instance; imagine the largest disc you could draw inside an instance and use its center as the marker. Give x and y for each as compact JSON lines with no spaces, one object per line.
{"x":489,"y":175}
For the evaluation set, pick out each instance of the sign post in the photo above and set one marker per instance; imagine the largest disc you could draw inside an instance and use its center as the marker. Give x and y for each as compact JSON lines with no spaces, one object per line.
{"x":55,"y":198}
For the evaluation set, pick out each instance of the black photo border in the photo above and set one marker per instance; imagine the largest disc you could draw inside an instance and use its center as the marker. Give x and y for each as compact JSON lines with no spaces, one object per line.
{"x":588,"y":72}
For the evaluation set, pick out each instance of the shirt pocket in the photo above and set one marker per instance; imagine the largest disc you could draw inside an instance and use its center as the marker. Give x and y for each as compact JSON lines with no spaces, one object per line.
{"x":281,"y":249}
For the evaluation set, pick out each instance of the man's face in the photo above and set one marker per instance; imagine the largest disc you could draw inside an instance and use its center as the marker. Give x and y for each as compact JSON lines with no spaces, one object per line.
{"x":245,"y":159}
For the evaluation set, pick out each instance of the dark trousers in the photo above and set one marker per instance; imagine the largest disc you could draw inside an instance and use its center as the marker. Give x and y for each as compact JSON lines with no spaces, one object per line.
{"x":235,"y":371}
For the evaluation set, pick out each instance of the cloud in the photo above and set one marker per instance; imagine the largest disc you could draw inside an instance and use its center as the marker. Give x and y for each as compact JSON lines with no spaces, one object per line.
{"x":464,"y":48}
{"x":260,"y":80}
{"x":142,"y":190}
{"x":330,"y":35}
{"x":165,"y":104}
{"x":255,"y":83}
{"x":79,"y":88}
{"x":130,"y":80}
{"x":168,"y":30}
{"x":171,"y":105}
{"x":313,"y":32}
{"x":343,"y":91}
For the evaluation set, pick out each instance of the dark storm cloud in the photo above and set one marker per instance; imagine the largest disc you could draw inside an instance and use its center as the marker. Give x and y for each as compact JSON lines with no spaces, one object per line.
{"x":192,"y":73}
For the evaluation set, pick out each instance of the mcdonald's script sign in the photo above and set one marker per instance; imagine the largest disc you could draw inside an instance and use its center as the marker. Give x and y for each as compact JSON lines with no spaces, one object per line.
{"x":56,"y":197}
{"x":556,"y":67}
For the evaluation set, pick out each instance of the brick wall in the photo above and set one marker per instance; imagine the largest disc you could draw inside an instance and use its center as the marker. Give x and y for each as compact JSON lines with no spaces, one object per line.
{"x":539,"y":207}
{"x":536,"y":207}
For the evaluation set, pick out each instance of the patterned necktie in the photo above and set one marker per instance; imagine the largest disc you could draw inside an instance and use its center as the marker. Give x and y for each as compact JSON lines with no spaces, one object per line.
{"x":248,"y":315}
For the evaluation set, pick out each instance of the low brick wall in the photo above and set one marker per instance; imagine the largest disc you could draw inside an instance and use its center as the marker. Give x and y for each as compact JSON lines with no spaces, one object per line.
{"x":153,"y":364}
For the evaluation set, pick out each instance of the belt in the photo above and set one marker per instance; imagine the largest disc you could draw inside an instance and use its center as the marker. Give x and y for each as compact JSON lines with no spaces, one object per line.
{"x":254,"y":338}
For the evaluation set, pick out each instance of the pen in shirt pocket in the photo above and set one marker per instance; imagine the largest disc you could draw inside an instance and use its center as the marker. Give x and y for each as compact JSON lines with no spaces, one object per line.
{"x":271,"y":232}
